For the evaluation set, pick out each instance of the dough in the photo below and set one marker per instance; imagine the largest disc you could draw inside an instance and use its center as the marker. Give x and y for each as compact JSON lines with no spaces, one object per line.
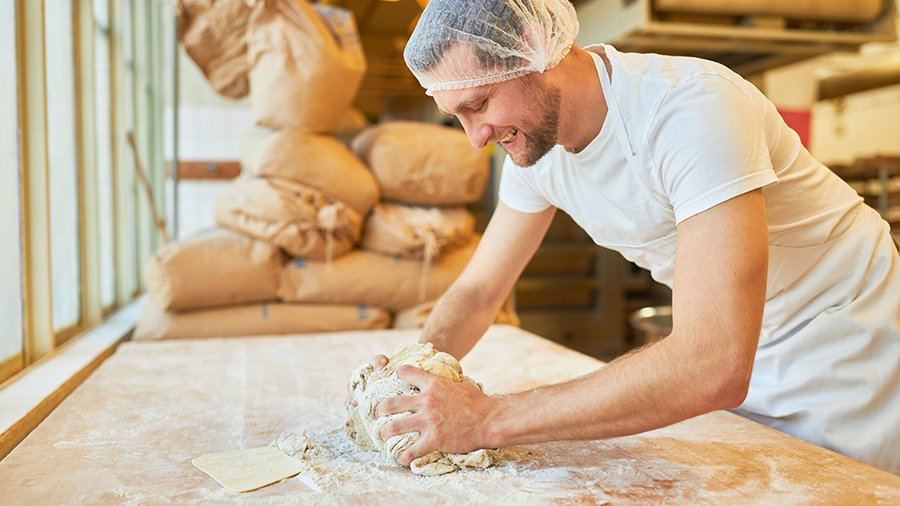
{"x":370,"y":388}
{"x":245,"y":470}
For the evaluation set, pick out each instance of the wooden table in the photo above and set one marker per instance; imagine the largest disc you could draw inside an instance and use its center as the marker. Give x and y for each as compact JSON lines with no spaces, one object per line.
{"x":127,"y":435}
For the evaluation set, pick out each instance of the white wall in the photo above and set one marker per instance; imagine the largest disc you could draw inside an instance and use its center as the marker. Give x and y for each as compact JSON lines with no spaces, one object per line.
{"x":211,"y":127}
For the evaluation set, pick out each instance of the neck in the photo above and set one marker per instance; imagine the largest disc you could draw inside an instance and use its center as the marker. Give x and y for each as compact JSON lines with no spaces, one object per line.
{"x":583,"y":104}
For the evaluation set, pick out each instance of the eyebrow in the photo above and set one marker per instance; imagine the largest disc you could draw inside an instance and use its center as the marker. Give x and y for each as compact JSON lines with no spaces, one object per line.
{"x":465,"y":104}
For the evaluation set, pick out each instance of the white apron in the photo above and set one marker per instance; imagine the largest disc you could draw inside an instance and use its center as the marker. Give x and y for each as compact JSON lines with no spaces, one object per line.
{"x":834,"y":379}
{"x":831,"y":374}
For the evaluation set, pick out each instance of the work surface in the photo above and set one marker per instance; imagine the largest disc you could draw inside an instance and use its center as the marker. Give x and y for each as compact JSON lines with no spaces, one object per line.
{"x":128,"y":434}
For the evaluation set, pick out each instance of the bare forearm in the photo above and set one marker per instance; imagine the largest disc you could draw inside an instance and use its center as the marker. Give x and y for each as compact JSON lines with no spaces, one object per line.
{"x":656,"y":387}
{"x":459,"y":319}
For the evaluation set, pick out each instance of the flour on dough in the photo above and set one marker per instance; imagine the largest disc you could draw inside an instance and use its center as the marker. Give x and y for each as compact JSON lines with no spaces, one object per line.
{"x":370,"y":388}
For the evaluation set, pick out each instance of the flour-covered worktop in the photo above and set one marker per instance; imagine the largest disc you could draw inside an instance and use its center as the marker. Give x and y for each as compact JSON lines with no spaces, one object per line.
{"x":128,"y":434}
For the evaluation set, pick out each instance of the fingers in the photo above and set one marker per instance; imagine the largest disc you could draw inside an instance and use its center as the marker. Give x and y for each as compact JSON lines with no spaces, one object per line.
{"x":416,"y":377}
{"x":379,"y":361}
{"x":397,"y":404}
{"x":400,"y":425}
{"x":421,"y":447}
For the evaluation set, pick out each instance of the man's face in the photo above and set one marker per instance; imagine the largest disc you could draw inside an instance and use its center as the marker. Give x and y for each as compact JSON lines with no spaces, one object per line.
{"x":522,"y":115}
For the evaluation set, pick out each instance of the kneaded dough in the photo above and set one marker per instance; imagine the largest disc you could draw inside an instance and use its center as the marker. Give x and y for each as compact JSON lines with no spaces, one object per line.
{"x":370,"y":388}
{"x":245,"y":470}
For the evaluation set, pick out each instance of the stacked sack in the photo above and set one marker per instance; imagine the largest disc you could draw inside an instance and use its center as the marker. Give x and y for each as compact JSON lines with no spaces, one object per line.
{"x":416,"y":241}
{"x":220,"y":284}
{"x":301,"y":190}
{"x":302,"y":193}
{"x":306,"y":245}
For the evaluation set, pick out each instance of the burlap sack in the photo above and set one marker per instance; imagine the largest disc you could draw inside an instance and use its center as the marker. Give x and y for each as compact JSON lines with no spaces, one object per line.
{"x":213,"y":33}
{"x":306,"y":64}
{"x":415,"y":231}
{"x":422,"y":163}
{"x":365,"y":277}
{"x":257,"y":320}
{"x":301,"y":220}
{"x":320,"y":161}
{"x":415,"y":317}
{"x":214,"y":268}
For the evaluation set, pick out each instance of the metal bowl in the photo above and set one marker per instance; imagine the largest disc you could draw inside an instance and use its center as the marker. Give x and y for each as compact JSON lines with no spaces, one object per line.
{"x":651,"y":323}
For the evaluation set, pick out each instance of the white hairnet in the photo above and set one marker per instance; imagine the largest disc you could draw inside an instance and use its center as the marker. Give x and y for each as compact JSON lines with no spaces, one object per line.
{"x":466,"y":43}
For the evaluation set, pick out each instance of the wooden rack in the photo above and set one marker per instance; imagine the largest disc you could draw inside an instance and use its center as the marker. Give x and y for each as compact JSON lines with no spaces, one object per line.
{"x":877,"y":180}
{"x":748,"y":44}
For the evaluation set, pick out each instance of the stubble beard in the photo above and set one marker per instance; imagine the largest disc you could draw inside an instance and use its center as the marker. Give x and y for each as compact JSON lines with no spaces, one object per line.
{"x":542,"y":138}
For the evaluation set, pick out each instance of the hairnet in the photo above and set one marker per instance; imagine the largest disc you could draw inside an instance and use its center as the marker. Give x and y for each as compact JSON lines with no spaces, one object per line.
{"x":466,"y":43}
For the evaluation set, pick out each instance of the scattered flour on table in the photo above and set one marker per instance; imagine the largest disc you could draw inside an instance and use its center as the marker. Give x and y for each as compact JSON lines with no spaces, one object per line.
{"x":336,"y":467}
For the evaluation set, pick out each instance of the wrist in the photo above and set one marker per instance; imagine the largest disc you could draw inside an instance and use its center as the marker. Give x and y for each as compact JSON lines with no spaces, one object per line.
{"x":493,"y":433}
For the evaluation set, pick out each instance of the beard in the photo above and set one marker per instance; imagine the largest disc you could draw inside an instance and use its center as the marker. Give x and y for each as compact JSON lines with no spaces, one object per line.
{"x":542,"y":137}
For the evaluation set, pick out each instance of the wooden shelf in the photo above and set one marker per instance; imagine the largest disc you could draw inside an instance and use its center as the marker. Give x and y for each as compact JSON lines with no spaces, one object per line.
{"x":208,"y":169}
{"x":875,"y":179}
{"x":748,"y":44}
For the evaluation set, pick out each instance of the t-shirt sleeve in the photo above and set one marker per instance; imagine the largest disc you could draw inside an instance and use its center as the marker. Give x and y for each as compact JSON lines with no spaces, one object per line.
{"x":518,"y":189}
{"x":708,"y":144}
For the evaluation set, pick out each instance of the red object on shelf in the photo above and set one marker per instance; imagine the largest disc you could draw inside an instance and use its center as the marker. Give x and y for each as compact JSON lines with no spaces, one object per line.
{"x":799,"y":120}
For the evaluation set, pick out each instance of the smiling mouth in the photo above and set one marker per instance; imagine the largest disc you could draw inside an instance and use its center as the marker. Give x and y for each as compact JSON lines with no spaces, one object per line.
{"x":510,"y":136}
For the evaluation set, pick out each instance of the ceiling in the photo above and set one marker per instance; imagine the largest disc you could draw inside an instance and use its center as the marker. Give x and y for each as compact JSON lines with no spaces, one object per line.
{"x":385,"y":26}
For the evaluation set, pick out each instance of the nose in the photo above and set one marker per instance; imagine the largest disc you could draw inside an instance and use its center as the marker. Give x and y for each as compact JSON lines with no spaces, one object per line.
{"x":479,"y":134}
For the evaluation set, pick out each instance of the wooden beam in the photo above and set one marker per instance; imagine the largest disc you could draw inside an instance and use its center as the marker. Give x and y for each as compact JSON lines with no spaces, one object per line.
{"x":208,"y":169}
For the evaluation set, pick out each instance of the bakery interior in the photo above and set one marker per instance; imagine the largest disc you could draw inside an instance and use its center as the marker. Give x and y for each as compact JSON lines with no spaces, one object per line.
{"x":196,"y":223}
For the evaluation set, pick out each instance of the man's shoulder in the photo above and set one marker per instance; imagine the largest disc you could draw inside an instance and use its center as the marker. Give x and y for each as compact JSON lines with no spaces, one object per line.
{"x":663,"y":70}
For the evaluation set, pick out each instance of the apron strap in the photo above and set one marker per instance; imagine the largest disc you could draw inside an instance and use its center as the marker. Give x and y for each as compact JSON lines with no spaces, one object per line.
{"x":613,"y":107}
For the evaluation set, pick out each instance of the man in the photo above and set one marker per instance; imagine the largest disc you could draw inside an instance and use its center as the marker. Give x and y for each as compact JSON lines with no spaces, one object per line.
{"x":786,"y":287}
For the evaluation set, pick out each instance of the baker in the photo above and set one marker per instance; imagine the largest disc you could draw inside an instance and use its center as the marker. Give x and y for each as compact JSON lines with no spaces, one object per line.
{"x":786,"y":286}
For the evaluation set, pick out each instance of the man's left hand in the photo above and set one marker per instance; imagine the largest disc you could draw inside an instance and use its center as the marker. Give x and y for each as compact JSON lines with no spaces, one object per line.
{"x":450,"y":417}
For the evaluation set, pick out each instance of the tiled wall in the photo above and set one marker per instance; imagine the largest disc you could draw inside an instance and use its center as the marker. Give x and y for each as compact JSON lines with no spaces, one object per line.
{"x":206,"y":132}
{"x":196,"y":204}
{"x":210,"y":132}
{"x":211,"y":128}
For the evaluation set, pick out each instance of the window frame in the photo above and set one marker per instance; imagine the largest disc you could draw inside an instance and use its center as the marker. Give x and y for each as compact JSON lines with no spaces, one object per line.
{"x":134,"y":237}
{"x":16,"y":362}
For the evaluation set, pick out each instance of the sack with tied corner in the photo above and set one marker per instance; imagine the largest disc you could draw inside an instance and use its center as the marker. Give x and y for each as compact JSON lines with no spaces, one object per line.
{"x":301,"y":220}
{"x":373,"y":279}
{"x":257,"y":320}
{"x":306,"y":64}
{"x":213,"y":268}
{"x":416,"y":231}
{"x":422,"y":163}
{"x":213,"y":33}
{"x":320,"y":161}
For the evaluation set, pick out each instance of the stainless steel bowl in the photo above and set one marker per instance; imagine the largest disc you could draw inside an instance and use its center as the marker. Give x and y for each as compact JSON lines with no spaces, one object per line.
{"x":651,"y":323}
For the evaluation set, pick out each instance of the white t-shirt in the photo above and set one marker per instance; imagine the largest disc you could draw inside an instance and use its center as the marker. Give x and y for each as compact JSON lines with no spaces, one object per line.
{"x":681,"y":136}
